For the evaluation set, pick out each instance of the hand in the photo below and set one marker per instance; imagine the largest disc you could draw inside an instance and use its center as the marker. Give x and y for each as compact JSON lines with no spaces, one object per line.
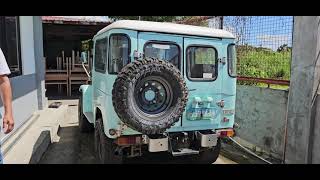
{"x":8,"y":123}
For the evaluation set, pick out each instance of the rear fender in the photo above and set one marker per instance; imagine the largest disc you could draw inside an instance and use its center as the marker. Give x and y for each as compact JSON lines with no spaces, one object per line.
{"x":86,"y":91}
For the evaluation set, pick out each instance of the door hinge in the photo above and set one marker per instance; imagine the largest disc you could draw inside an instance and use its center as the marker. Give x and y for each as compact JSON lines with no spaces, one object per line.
{"x":221,"y":103}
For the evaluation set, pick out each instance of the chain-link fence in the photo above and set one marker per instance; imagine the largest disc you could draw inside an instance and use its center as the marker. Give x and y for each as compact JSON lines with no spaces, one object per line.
{"x":263,"y":45}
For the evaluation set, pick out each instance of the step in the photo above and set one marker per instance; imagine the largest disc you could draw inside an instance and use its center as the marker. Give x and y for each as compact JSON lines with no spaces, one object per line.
{"x":30,"y":142}
{"x":184,"y":151}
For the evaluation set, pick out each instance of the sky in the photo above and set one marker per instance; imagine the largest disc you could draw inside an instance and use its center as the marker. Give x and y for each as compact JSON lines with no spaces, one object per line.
{"x":262,"y":31}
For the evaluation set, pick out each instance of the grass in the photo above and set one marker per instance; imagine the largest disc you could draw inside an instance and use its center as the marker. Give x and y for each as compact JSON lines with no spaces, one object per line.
{"x":274,"y":86}
{"x":263,"y":63}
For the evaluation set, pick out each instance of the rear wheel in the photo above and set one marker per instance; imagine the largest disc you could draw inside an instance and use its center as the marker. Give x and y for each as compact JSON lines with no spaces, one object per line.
{"x":84,"y":125}
{"x":105,"y":148}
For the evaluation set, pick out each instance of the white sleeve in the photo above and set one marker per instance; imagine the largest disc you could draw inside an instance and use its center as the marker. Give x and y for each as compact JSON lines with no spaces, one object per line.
{"x":4,"y":69}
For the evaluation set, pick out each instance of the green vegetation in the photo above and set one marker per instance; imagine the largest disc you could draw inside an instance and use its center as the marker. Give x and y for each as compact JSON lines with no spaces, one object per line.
{"x":273,"y":86}
{"x":263,"y":63}
{"x":86,"y":45}
{"x":204,"y":55}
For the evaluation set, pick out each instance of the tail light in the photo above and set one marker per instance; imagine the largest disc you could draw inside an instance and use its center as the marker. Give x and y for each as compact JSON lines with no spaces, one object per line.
{"x":128,"y":140}
{"x":226,"y":132}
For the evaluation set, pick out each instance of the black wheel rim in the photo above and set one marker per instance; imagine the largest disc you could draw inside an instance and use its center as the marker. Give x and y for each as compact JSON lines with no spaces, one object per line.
{"x":153,"y":95}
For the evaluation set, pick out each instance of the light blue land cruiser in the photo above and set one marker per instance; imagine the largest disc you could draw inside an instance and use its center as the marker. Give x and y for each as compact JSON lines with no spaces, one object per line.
{"x":159,"y":87}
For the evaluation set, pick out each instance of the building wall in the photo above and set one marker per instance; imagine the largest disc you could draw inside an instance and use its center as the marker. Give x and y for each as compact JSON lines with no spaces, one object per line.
{"x":25,"y":88}
{"x":27,"y":45}
{"x":304,"y":80}
{"x":261,"y":114}
{"x":24,"y":99}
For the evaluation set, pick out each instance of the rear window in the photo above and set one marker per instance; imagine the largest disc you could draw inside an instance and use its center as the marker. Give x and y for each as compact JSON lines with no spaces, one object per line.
{"x":165,"y":51}
{"x":202,"y":63}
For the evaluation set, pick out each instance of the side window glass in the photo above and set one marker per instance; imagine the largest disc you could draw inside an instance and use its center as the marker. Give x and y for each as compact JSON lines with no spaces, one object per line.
{"x":100,"y":55}
{"x":119,"y":52}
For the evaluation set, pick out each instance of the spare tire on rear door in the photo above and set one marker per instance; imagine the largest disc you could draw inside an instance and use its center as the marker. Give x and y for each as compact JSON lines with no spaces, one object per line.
{"x":149,"y":95}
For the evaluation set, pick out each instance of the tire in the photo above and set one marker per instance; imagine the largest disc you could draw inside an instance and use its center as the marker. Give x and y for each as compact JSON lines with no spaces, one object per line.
{"x":163,"y":108}
{"x":208,"y":156}
{"x":84,"y":125}
{"x":105,"y":147}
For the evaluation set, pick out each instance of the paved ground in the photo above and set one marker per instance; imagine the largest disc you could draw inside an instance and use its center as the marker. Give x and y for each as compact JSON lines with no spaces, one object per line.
{"x":77,"y":148}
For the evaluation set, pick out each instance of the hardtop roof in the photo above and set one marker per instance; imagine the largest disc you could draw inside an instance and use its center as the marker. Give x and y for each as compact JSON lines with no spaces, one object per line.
{"x":167,"y":28}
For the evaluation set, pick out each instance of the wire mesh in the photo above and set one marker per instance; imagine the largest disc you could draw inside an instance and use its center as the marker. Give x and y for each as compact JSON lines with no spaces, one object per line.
{"x":263,"y":45}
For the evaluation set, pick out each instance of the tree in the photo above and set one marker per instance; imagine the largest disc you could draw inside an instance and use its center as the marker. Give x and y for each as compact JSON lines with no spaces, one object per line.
{"x":149,"y":18}
{"x":284,"y":47}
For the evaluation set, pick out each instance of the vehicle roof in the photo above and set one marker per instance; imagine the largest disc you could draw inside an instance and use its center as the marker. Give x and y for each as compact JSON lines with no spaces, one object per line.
{"x":167,"y":28}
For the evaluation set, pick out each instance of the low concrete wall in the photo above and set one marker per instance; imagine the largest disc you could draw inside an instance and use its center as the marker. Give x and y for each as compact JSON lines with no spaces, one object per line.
{"x":261,"y":114}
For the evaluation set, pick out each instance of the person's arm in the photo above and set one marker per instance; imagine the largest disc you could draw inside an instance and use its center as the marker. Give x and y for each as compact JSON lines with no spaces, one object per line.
{"x":6,"y":96}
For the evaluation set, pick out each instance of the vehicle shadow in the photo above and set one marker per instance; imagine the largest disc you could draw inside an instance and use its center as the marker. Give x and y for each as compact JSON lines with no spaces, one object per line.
{"x":67,"y":150}
{"x":157,"y":158}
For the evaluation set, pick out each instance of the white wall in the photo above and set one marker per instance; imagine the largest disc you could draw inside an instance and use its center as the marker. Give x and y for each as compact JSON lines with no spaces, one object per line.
{"x":25,"y":101}
{"x":27,"y":45}
{"x":24,"y":87}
